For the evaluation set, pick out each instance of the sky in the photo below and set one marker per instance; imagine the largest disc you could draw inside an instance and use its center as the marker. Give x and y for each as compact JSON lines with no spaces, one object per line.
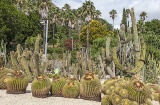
{"x":151,"y":7}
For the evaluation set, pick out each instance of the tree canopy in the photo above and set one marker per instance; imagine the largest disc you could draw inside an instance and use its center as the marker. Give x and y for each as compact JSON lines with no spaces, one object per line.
{"x":96,"y":30}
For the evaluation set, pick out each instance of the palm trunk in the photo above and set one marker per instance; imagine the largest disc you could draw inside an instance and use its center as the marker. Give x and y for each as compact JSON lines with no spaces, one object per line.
{"x":113,"y":24}
{"x":53,"y":32}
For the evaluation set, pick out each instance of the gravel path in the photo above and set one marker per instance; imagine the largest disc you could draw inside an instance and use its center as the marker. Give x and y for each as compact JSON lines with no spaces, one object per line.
{"x":28,"y":99}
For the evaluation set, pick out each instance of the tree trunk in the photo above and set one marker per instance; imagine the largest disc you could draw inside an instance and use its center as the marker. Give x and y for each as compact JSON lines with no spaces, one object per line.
{"x":113,"y":24}
{"x":53,"y":32}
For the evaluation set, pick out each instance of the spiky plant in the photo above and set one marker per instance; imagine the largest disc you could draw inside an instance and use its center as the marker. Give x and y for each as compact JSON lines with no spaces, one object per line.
{"x":57,"y":84}
{"x":3,"y":81}
{"x":40,"y":87}
{"x":110,"y":84}
{"x":155,"y":90}
{"x":138,"y":92}
{"x":90,"y":87}
{"x":17,"y":84}
{"x":105,"y":100}
{"x":148,"y":101}
{"x":71,"y":89}
{"x":115,"y":99}
{"x":123,"y":93}
{"x":126,"y":102}
{"x":3,"y":74}
{"x":134,"y":103}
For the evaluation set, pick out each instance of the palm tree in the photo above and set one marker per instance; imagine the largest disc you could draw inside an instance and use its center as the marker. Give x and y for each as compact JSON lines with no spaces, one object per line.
{"x":97,"y":14}
{"x":113,"y":14}
{"x":66,"y":7}
{"x":19,"y":4}
{"x":79,"y":14}
{"x":44,"y":10}
{"x":88,"y":10}
{"x":29,"y":6}
{"x":54,"y":14}
{"x":143,"y":15}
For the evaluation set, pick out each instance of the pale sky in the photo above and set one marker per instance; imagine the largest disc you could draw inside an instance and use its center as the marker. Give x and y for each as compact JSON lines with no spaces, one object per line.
{"x":151,"y":7}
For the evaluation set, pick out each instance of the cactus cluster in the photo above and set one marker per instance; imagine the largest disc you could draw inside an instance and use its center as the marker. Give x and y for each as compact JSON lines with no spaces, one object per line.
{"x":155,"y":88}
{"x":90,"y":86}
{"x":121,"y":92}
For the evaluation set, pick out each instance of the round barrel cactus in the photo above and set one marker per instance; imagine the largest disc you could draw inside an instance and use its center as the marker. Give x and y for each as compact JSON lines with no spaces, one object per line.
{"x":105,"y":100}
{"x":17,"y":84}
{"x":71,"y":89}
{"x":90,"y":87}
{"x":115,"y":99}
{"x":57,"y":84}
{"x":41,"y":87}
{"x":110,"y":84}
{"x":137,"y":91}
{"x":126,"y":102}
{"x":4,"y":73}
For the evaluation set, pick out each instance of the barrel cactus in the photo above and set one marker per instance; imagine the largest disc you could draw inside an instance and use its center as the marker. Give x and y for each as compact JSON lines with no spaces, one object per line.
{"x":138,"y":92}
{"x":57,"y":84}
{"x":17,"y":84}
{"x":126,"y":102}
{"x":3,"y":81}
{"x":105,"y":100}
{"x":90,"y":87}
{"x":4,"y":73}
{"x":71,"y":89}
{"x":41,"y":87}
{"x":110,"y":84}
{"x":155,"y":90}
{"x":115,"y":99}
{"x":123,"y":93}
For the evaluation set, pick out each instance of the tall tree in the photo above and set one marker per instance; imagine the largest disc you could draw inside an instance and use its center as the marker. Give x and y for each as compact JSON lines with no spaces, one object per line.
{"x":113,"y":14}
{"x":143,"y":15}
{"x":19,"y":4}
{"x":97,"y":14}
{"x":127,"y":12}
{"x":88,"y":9}
{"x":124,"y":19}
{"x":54,"y":17}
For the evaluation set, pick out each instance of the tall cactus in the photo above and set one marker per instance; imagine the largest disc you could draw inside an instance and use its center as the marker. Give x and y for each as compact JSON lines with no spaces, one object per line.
{"x":136,"y":40}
